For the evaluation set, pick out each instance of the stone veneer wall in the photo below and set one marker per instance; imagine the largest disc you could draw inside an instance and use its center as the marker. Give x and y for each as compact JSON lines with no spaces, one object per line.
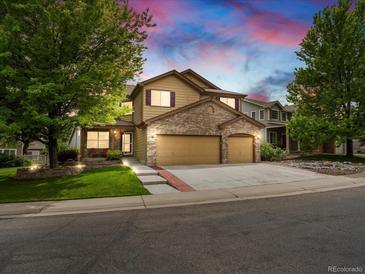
{"x":200,"y":120}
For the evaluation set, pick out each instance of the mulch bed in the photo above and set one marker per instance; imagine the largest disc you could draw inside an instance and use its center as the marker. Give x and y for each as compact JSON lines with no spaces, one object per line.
{"x":325,"y":167}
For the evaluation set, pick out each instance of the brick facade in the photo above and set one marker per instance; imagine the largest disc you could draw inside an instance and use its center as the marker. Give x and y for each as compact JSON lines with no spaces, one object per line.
{"x":203,"y":119}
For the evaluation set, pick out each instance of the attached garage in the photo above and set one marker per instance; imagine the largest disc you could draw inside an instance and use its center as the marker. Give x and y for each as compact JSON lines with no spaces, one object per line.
{"x":187,"y":150}
{"x":240,"y":149}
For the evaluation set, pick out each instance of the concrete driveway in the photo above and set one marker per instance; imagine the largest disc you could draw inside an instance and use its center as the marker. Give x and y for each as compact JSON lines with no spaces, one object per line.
{"x":202,"y":177}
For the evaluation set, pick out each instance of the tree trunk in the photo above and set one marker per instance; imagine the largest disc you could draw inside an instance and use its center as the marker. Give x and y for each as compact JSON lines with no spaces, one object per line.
{"x":25,"y":147}
{"x":52,"y":149}
{"x":349,"y":148}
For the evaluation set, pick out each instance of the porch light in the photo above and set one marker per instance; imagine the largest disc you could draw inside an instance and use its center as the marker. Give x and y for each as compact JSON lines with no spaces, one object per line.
{"x":34,"y":167}
{"x":258,"y":135}
{"x":80,"y":166}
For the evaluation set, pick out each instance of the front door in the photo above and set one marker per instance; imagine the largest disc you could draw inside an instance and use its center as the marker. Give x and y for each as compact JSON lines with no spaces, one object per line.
{"x":127,"y":143}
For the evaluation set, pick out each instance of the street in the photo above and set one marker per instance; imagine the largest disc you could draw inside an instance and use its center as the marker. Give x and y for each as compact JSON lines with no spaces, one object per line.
{"x":297,"y":234}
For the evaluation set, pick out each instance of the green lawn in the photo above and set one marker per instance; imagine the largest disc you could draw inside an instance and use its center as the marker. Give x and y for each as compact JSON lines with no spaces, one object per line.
{"x":358,"y":158}
{"x":103,"y":182}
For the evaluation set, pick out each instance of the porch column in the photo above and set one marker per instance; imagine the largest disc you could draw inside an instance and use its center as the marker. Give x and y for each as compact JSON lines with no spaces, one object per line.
{"x":287,"y":140}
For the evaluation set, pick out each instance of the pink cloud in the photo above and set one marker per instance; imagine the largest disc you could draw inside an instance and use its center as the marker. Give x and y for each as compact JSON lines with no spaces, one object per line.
{"x":259,"y":95}
{"x":276,"y":29}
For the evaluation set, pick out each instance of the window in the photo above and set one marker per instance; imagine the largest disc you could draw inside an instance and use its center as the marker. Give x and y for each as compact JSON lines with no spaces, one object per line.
{"x":274,"y":114}
{"x":253,"y":115}
{"x":127,"y":143}
{"x":273,"y":139}
{"x":262,"y":114}
{"x":160,"y":98}
{"x":97,"y":139}
{"x":228,"y":101}
{"x":289,"y":115}
{"x":8,"y":151}
{"x":283,"y":116}
{"x":128,"y":105}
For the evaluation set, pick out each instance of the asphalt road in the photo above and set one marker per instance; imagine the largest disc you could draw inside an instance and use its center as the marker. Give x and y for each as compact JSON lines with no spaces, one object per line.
{"x":298,"y":234}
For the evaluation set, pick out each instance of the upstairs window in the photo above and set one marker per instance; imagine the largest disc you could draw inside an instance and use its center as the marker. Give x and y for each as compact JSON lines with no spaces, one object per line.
{"x":128,"y":105}
{"x":262,"y":114}
{"x":228,"y":101}
{"x":160,"y":98}
{"x":274,"y":114}
{"x":97,"y":139}
{"x":253,"y":115}
{"x":283,"y":116}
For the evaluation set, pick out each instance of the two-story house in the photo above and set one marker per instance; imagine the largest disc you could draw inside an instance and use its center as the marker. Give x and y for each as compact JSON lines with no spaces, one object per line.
{"x":177,"y":118}
{"x":275,"y":117}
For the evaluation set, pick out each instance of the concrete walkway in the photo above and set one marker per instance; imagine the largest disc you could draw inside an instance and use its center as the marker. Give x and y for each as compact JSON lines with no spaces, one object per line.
{"x":149,"y":177}
{"x":14,"y":210}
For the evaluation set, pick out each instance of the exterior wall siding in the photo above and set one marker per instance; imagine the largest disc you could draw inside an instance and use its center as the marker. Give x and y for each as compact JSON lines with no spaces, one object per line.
{"x":196,"y":80}
{"x":199,"y":121}
{"x":140,"y":140}
{"x":128,"y":118}
{"x":138,"y":109}
{"x":184,"y":95}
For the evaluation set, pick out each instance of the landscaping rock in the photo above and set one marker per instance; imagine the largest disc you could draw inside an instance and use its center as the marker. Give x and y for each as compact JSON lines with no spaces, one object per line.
{"x":30,"y":173}
{"x":327,"y":167}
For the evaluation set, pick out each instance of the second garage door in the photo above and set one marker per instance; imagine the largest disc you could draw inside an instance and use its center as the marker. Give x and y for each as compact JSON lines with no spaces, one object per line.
{"x":240,"y":149}
{"x":187,"y":150}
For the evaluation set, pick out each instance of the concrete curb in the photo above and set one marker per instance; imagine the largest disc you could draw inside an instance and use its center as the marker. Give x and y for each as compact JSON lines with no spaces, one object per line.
{"x":97,"y":205}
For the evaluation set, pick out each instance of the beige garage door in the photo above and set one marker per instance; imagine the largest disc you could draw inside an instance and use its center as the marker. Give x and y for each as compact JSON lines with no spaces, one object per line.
{"x":187,"y":150}
{"x":240,"y":149}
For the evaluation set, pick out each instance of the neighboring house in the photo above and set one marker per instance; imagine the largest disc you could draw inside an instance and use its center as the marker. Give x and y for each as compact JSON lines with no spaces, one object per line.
{"x":275,"y":117}
{"x":35,"y":148}
{"x":177,"y":118}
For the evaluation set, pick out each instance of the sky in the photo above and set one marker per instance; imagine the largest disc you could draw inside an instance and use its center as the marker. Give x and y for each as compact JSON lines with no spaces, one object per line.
{"x":247,"y":46}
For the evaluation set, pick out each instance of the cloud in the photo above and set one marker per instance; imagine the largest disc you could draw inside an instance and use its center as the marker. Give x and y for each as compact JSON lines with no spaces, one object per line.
{"x":276,"y":29}
{"x":269,"y":26}
{"x":272,"y":87}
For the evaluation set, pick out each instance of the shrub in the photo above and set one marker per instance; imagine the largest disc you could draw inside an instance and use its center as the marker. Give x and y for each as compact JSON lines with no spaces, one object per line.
{"x":13,"y":161}
{"x":270,"y":153}
{"x":114,"y":155}
{"x":67,"y":155}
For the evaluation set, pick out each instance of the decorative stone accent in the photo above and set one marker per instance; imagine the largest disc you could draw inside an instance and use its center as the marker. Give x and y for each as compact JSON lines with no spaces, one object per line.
{"x":42,"y":173}
{"x":199,"y":121}
{"x":28,"y":173}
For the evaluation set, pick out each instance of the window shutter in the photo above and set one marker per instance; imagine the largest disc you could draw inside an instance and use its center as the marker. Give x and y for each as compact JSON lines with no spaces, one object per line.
{"x":172,"y":99}
{"x":148,"y":97}
{"x":237,"y":104}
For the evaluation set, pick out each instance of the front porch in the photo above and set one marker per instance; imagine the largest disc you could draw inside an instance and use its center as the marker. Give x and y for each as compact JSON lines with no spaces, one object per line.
{"x":97,"y":141}
{"x":278,"y":136}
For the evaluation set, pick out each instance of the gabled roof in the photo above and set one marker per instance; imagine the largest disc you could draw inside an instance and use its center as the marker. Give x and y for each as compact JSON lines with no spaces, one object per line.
{"x":263,"y":103}
{"x":239,"y":114}
{"x":244,"y":117}
{"x":130,"y":88}
{"x":201,"y":78}
{"x":223,"y":92}
{"x":290,"y":108}
{"x":171,"y":72}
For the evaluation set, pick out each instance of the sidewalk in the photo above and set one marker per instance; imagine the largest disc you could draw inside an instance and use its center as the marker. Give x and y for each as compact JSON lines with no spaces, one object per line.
{"x":49,"y":208}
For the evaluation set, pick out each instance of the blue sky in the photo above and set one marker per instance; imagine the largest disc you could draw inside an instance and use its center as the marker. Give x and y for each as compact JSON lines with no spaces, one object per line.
{"x":246,"y":46}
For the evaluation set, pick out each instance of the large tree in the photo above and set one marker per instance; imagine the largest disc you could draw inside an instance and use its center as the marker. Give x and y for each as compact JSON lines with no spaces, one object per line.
{"x":329,"y":91}
{"x":66,"y":62}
